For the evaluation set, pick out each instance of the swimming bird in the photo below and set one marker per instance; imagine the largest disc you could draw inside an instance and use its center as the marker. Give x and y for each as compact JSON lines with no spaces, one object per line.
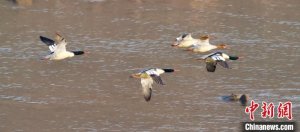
{"x":58,"y":48}
{"x":148,"y":76}
{"x":215,"y":58}
{"x":242,"y":98}
{"x":203,"y":45}
{"x":185,"y":40}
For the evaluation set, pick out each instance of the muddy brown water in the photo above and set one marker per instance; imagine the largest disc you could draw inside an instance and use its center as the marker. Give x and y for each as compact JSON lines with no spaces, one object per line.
{"x":94,"y":93}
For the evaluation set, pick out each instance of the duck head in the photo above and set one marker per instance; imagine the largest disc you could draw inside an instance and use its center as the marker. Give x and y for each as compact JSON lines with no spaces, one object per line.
{"x":243,"y":99}
{"x":170,"y":70}
{"x":78,"y":52}
{"x":204,"y":37}
{"x":60,"y":39}
{"x":233,"y":57}
{"x":221,"y":46}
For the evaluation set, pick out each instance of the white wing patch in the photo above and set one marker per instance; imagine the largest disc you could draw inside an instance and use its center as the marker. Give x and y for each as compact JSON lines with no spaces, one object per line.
{"x":151,"y":72}
{"x":178,"y":39}
{"x":53,"y":47}
{"x":218,"y":57}
{"x":205,"y":56}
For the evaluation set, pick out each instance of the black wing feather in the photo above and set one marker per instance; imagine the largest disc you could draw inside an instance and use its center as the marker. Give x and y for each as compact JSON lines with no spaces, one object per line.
{"x":224,"y":64}
{"x":157,"y":79}
{"x":47,"y":41}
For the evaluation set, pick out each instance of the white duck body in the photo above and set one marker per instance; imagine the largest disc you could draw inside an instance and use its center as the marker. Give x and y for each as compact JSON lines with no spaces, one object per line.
{"x":203,"y":46}
{"x":188,"y":41}
{"x":61,"y":52}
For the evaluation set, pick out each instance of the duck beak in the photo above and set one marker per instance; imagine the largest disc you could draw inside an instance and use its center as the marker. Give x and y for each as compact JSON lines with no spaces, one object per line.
{"x":133,"y":76}
{"x":86,"y":52}
{"x":176,"y":70}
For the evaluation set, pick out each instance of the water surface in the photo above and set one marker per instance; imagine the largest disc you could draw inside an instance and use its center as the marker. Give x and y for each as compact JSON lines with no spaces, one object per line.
{"x":93,"y":92}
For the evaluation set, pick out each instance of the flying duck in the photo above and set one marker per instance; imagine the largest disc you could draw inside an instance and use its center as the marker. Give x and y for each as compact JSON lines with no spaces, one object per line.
{"x":203,"y":45}
{"x":147,"y":77}
{"x":58,"y":48}
{"x":215,"y":58}
{"x":242,"y":98}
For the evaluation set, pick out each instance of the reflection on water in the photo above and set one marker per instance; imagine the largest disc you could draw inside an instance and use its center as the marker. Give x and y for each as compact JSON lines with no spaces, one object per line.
{"x":93,"y":92}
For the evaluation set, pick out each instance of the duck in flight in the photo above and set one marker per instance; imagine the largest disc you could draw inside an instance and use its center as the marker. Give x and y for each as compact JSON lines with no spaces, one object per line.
{"x":215,"y":58}
{"x":58,"y":48}
{"x":148,"y":76}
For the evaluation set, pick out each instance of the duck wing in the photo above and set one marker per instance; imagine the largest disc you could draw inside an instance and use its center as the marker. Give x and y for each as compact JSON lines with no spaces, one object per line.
{"x":154,"y":74}
{"x":224,"y":64}
{"x":210,"y":55}
{"x":145,"y":70}
{"x":61,"y":46}
{"x":220,"y":59}
{"x":217,"y":56}
{"x":157,"y":79}
{"x":49,"y":42}
{"x":147,"y":88}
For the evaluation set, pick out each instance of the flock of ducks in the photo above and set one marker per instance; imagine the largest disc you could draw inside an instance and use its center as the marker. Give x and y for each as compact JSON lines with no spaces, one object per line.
{"x":202,"y":45}
{"x":148,"y":76}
